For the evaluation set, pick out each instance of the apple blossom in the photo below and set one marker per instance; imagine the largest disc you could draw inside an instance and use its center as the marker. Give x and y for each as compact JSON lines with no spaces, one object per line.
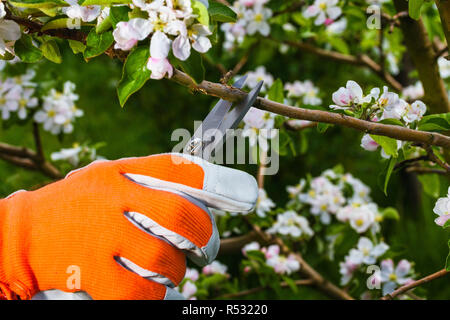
{"x":191,"y":274}
{"x":366,"y":252}
{"x":444,"y":67}
{"x":263,"y":204}
{"x":85,"y":13}
{"x":347,"y":269}
{"x":442,"y":209}
{"x":344,"y":98}
{"x":392,"y":277}
{"x":128,"y":33}
{"x":189,"y":290}
{"x":361,"y":218}
{"x":292,"y":224}
{"x":367,"y":143}
{"x":324,"y":11}
{"x":260,"y":74}
{"x":9,"y":31}
{"x":215,"y":268}
{"x":414,"y":111}
{"x":257,"y":20}
{"x":413,"y":92}
{"x":252,"y":246}
{"x":283,"y":265}
{"x":59,"y":110}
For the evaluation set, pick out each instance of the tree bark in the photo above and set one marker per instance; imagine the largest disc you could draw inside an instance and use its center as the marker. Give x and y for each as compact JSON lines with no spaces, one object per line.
{"x":423,"y":56}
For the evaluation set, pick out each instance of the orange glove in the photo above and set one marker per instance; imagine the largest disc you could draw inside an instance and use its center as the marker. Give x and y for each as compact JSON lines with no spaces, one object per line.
{"x":118,"y":229}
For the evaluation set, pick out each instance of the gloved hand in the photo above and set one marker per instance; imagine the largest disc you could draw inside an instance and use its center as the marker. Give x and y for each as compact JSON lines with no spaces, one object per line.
{"x":124,"y":225}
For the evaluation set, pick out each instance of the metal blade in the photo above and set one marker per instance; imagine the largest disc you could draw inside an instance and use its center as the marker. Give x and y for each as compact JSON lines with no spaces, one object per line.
{"x":212,"y":121}
{"x":236,"y":115}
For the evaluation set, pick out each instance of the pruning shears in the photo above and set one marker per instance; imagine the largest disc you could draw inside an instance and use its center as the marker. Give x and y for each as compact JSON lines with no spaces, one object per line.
{"x":210,"y":135}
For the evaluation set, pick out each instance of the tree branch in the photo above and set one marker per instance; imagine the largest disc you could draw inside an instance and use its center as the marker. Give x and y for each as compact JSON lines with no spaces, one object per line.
{"x":415,"y":284}
{"x":362,"y":60}
{"x":234,"y":94}
{"x":28,"y":159}
{"x":235,"y":244}
{"x":423,"y":56}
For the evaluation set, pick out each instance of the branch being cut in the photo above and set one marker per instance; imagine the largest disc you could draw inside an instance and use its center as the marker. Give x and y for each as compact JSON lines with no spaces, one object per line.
{"x":392,"y":131}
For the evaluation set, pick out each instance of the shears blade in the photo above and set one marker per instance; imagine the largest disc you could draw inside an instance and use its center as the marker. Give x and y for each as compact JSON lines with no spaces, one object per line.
{"x":214,"y":127}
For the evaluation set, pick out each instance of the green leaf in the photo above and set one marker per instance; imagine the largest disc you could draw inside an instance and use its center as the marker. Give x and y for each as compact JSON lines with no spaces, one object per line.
{"x":339,"y":44}
{"x":77,"y":46}
{"x":291,"y":284}
{"x":322,"y":127}
{"x":50,"y":50}
{"x":431,"y":184}
{"x":435,"y":122}
{"x":37,"y":3}
{"x":57,"y":23}
{"x":118,"y":14}
{"x":446,"y":224}
{"x":96,"y":44}
{"x":390,"y":213}
{"x":220,"y":12}
{"x":385,"y":175}
{"x":193,"y":66}
{"x":201,"y":11}
{"x":135,"y":73}
{"x":26,"y":51}
{"x":414,"y":7}
{"x":105,"y":25}
{"x":276,"y":91}
{"x":392,"y":121}
{"x":389,"y":145}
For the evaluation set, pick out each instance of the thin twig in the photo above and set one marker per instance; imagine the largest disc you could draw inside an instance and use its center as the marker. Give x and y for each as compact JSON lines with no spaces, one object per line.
{"x":362,"y":60}
{"x":415,"y":284}
{"x":425,"y":170}
{"x":435,"y":159}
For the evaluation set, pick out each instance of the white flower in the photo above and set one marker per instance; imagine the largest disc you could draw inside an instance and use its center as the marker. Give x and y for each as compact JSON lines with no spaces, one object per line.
{"x":346,"y":97}
{"x":366,"y":252}
{"x":305,"y":89}
{"x":9,"y":30}
{"x":253,"y":77}
{"x":128,"y":33}
{"x":73,"y":155}
{"x":444,"y":67}
{"x":414,"y":111}
{"x":367,"y":143}
{"x":360,"y":217}
{"x":413,"y":92}
{"x":191,"y":274}
{"x":283,"y":265}
{"x":159,"y":68}
{"x":346,"y":269}
{"x":337,"y":27}
{"x":263,"y":204}
{"x":9,"y":99}
{"x":252,"y":246}
{"x":215,"y":268}
{"x":27,"y":100}
{"x":391,"y":277}
{"x":257,"y":20}
{"x":325,"y":11}
{"x":85,"y":13}
{"x":442,"y":209}
{"x":189,"y":290}
{"x":59,"y":110}
{"x":198,"y":33}
{"x":294,"y":191}
{"x":292,"y":224}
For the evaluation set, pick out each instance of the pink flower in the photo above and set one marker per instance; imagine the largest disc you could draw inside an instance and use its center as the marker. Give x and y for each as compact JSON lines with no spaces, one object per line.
{"x":367,"y":143}
{"x":159,"y":68}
